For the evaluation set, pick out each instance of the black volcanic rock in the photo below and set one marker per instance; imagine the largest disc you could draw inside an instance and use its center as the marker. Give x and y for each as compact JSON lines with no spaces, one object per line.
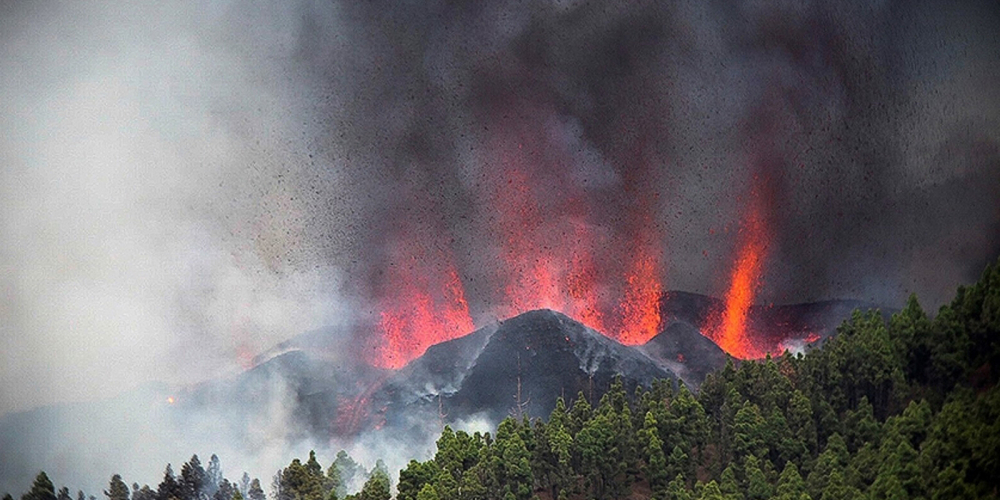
{"x":441,"y":369}
{"x":543,"y":353}
{"x":311,"y":388}
{"x":687,"y":352}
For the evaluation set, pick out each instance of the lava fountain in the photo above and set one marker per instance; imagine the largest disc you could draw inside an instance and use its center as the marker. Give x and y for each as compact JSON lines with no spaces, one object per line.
{"x":424,"y":305}
{"x":731,"y":326}
{"x":556,"y":252}
{"x":542,"y":239}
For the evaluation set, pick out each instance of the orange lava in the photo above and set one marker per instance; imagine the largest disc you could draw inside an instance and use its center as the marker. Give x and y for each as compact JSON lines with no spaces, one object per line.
{"x":545,"y":246}
{"x":730,"y":329}
{"x":427,"y":306}
{"x":550,"y":242}
{"x":640,"y":307}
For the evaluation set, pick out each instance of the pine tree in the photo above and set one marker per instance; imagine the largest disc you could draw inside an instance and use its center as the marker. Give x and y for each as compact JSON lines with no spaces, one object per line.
{"x":302,"y":481}
{"x":837,"y":489}
{"x":678,"y":490}
{"x":256,"y":492}
{"x":377,"y":487}
{"x":445,"y":485}
{"x":800,"y":420}
{"x":790,"y":484}
{"x":729,"y":486}
{"x":950,"y":484}
{"x":245,"y":484}
{"x":117,"y":489}
{"x":833,"y":459}
{"x":678,"y":462}
{"x":193,"y":480}
{"x":225,"y":491}
{"x":332,"y":483}
{"x":558,"y":416}
{"x":656,"y":470}
{"x":169,"y":488}
{"x":41,"y":489}
{"x":711,"y":491}
{"x":628,"y":444}
{"x":348,"y":470}
{"x":414,"y":477}
{"x":910,"y":330}
{"x":515,"y":471}
{"x":757,"y":487}
{"x":579,"y":414}
{"x":861,"y":426}
{"x":748,"y":432}
{"x":560,"y":445}
{"x":599,"y":456}
{"x":143,"y":493}
{"x":213,"y":478}
{"x":427,"y":492}
{"x":472,"y":487}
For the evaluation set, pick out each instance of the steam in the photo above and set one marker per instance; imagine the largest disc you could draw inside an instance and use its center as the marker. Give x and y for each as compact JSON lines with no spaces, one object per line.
{"x":184,"y":186}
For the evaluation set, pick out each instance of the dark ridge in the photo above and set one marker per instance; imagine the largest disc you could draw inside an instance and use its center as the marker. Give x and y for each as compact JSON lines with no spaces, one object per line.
{"x":683,"y":348}
{"x":547,"y":353}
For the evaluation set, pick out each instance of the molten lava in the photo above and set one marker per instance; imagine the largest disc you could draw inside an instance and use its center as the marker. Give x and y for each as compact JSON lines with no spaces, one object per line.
{"x":731,"y":328}
{"x":546,"y":262}
{"x":426,"y":306}
{"x":640,"y":307}
{"x":550,"y":244}
{"x":542,"y":241}
{"x":731,"y":333}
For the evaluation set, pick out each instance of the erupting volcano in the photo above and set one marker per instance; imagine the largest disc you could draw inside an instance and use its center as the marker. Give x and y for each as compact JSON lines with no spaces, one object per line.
{"x":536,"y":227}
{"x":545,"y":238}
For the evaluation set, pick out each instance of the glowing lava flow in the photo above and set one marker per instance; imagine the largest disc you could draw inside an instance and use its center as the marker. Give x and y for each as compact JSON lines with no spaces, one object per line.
{"x":730,"y":329}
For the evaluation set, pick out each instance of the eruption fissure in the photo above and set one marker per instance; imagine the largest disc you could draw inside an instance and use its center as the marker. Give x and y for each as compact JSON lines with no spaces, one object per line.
{"x":547,"y":242}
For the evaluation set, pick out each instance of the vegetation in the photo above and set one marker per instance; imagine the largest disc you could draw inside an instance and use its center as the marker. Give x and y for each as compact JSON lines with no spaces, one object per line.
{"x":908,"y":408}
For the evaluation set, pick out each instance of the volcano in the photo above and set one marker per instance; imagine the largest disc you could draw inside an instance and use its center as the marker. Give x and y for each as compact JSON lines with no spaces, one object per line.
{"x":313,"y":387}
{"x":516,"y":367}
{"x":769,"y":328}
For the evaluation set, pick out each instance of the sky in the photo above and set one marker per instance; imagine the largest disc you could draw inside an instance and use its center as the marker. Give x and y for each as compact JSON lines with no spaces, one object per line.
{"x":184,"y":185}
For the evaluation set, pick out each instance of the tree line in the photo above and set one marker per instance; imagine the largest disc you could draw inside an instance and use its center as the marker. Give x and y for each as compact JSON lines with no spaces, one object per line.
{"x":907,"y":408}
{"x":195,"y":482}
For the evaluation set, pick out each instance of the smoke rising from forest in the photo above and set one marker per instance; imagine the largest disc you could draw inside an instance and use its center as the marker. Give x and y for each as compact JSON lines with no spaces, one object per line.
{"x":184,"y":186}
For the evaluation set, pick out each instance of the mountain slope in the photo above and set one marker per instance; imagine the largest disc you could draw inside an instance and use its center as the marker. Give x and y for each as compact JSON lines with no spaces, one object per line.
{"x":688,"y":353}
{"x":524,"y":364}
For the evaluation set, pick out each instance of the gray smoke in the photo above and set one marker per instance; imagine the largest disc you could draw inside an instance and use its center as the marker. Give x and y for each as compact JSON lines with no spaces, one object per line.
{"x":871,"y":126}
{"x":184,"y":185}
